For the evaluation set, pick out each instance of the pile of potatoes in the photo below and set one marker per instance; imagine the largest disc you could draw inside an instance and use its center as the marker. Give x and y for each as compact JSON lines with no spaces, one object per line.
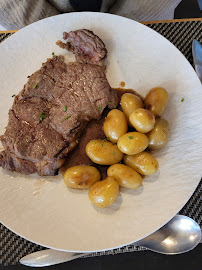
{"x":121,"y":146}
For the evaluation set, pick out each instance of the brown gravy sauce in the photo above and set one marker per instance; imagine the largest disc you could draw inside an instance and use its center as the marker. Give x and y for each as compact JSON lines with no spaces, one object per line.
{"x":122,"y":84}
{"x":93,"y":131}
{"x":122,"y":91}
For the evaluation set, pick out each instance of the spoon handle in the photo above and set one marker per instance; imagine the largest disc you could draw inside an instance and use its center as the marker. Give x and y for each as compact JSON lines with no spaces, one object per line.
{"x":49,"y":257}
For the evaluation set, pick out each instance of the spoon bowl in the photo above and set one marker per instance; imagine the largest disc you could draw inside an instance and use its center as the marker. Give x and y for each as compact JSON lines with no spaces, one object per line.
{"x":179,"y":235}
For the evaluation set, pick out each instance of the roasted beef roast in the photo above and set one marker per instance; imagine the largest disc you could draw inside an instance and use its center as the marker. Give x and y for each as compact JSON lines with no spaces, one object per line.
{"x":51,"y":112}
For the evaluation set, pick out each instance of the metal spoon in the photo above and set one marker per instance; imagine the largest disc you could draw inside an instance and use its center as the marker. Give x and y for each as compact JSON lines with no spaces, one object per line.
{"x":179,"y":235}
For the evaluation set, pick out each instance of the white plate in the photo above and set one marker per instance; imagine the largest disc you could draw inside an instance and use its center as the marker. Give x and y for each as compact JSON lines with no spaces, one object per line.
{"x":42,"y":209}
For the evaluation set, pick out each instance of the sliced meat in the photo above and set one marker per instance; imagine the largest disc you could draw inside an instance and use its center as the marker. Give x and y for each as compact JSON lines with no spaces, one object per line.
{"x":79,"y":87}
{"x":87,"y":47}
{"x":52,"y":110}
{"x":11,"y":162}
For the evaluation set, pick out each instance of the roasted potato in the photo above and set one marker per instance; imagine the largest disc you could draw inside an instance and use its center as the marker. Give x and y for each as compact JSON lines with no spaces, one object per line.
{"x":144,"y":163}
{"x":125,"y":176}
{"x":158,"y":137}
{"x":129,"y":103}
{"x":142,"y":120}
{"x":132,"y":143}
{"x":103,"y":152}
{"x":156,"y":101}
{"x":115,"y":125}
{"x":81,"y":177}
{"x":104,"y":193}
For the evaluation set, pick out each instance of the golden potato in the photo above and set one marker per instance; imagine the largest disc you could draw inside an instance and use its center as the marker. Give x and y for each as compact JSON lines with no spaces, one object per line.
{"x":132,"y":143}
{"x":125,"y":176}
{"x":144,"y":163}
{"x":81,"y":177}
{"x":104,"y":193}
{"x":129,"y":103}
{"x":156,"y":101}
{"x":142,"y":120}
{"x":158,"y":137}
{"x":115,"y":125}
{"x":103,"y":152}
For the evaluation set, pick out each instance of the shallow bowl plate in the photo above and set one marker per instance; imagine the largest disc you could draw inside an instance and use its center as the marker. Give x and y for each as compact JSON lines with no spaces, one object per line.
{"x":42,"y":209}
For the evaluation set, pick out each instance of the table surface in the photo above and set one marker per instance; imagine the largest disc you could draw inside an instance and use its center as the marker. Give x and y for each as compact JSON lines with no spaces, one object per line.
{"x":134,"y":260}
{"x":145,"y":22}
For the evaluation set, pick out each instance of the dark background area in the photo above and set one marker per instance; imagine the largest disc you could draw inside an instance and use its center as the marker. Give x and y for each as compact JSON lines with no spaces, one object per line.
{"x":138,"y":260}
{"x":188,"y":9}
{"x":135,"y":260}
